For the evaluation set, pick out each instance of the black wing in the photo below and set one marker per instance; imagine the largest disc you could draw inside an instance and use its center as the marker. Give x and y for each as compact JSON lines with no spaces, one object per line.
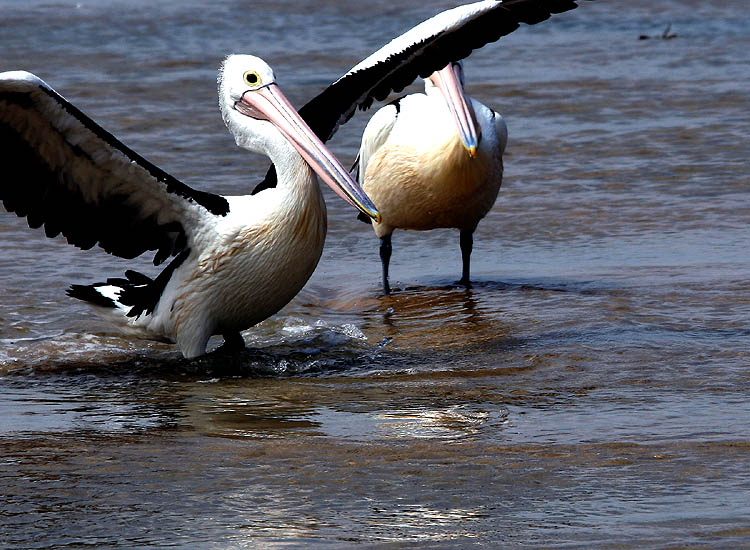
{"x":449,"y":36}
{"x":62,"y":170}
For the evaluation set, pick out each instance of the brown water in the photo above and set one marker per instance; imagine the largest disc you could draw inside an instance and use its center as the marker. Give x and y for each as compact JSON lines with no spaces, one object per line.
{"x":591,"y":390}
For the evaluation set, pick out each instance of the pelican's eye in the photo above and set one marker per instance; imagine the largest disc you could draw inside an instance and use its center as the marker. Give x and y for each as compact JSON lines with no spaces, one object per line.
{"x":252,"y":79}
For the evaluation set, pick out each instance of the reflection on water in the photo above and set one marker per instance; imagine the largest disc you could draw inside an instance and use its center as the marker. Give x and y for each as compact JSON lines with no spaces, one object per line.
{"x":436,"y":318}
{"x":279,"y":419}
{"x":590,"y":390}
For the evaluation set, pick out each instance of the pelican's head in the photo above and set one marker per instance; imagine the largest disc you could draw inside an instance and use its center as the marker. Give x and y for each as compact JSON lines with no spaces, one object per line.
{"x":450,"y":82}
{"x":258,"y":114}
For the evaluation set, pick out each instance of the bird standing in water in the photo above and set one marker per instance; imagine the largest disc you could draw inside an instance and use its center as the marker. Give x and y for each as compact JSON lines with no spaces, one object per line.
{"x":427,"y":126}
{"x":433,"y":160}
{"x":238,"y":260}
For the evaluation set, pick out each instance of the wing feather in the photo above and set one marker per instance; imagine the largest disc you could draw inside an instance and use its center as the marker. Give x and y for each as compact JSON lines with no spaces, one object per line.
{"x":448,"y":36}
{"x":375,"y":134}
{"x":63,"y":171}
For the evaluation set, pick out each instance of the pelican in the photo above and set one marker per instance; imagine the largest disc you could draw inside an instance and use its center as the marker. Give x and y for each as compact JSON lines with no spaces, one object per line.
{"x":438,"y":177}
{"x":433,"y":160}
{"x":234,"y":260}
{"x":237,"y":260}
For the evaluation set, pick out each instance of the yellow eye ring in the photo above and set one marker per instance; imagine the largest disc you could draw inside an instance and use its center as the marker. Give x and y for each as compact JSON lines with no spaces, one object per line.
{"x":252,"y":79}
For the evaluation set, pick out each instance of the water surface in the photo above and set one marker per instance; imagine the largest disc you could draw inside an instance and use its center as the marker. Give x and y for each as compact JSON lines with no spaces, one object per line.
{"x":591,"y":389}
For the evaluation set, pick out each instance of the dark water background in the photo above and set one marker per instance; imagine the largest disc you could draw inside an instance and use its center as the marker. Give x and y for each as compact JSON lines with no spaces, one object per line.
{"x":591,"y":391}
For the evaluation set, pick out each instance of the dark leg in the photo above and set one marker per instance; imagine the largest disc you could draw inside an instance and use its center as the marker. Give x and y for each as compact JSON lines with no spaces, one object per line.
{"x":233,"y":341}
{"x":385,"y":258}
{"x":467,"y":243}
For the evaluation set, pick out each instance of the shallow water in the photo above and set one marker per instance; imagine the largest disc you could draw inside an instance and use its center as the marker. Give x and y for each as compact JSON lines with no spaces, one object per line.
{"x":591,"y":390}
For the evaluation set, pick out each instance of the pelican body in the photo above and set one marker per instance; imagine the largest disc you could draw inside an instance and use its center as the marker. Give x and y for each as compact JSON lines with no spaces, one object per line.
{"x":237,"y":260}
{"x":433,"y":160}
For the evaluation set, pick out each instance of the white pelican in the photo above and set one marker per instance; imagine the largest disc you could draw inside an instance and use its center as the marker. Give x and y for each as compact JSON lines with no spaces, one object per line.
{"x":237,"y":260}
{"x":433,"y":160}
{"x":463,"y":189}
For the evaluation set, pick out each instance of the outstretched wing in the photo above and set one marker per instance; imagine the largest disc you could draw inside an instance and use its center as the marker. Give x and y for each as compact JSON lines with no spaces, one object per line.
{"x":62,"y":170}
{"x":449,"y":36}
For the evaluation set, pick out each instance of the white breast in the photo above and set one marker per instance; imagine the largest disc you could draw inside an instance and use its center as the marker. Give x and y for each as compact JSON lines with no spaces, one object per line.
{"x":265,"y":254}
{"x":422,"y":178}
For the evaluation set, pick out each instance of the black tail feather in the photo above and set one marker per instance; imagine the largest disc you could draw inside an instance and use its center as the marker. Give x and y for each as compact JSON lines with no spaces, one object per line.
{"x":137,"y":278}
{"x":88,"y":293}
{"x":139,"y":291}
{"x":143,"y":293}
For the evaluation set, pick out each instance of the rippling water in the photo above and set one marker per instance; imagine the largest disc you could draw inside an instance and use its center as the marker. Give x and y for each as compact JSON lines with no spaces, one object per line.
{"x":591,"y":390}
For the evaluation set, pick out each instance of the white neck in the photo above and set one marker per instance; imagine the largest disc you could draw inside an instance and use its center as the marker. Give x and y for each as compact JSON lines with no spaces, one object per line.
{"x":260,"y":136}
{"x":292,"y":171}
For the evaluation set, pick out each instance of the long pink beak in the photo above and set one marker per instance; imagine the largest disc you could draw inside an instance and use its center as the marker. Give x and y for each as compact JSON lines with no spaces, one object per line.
{"x":270,"y":104}
{"x":448,"y":82}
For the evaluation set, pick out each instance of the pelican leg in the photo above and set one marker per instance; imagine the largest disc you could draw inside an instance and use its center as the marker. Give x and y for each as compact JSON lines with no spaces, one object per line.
{"x":385,"y":258}
{"x":467,"y":243}
{"x":233,"y":342}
